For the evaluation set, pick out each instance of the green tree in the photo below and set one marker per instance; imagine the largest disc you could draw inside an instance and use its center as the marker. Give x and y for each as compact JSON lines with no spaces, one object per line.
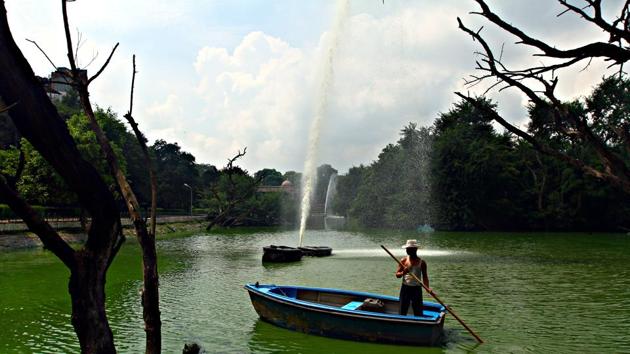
{"x":394,"y":191}
{"x":348,"y":189}
{"x":269,"y":177}
{"x":474,"y":171}
{"x":174,"y":168}
{"x":114,"y":129}
{"x":566,"y":198}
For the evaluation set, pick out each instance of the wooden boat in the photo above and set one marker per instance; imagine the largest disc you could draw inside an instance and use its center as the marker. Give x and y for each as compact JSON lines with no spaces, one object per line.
{"x":316,"y":251}
{"x":345,"y":314}
{"x":281,"y":254}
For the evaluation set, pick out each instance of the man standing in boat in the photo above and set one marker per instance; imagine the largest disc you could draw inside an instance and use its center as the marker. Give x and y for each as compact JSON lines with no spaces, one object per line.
{"x":411,"y":289}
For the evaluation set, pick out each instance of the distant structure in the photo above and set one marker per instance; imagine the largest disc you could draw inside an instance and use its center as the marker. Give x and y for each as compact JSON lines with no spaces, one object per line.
{"x":285,"y":187}
{"x":59,"y":83}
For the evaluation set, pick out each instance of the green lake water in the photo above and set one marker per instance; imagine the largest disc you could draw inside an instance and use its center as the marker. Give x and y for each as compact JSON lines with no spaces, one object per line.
{"x":538,"y":293}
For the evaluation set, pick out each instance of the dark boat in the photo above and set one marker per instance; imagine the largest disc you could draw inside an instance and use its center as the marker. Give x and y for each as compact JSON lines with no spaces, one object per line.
{"x":346,"y":314}
{"x":316,"y":251}
{"x":281,"y":254}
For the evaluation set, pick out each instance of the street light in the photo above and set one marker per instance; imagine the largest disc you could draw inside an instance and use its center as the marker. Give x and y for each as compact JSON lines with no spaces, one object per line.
{"x":189,"y":187}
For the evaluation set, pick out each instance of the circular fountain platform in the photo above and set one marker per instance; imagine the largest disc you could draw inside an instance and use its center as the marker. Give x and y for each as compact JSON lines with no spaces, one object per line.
{"x":316,"y":251}
{"x":281,"y":254}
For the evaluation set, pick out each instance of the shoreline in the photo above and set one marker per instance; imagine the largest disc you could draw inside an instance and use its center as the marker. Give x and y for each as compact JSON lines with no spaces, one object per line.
{"x":165,"y":229}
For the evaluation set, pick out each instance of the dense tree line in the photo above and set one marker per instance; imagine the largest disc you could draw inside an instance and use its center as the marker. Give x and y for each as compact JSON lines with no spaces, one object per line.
{"x":459,"y":174}
{"x":483,"y":179}
{"x":393,"y":191}
{"x":41,"y":185}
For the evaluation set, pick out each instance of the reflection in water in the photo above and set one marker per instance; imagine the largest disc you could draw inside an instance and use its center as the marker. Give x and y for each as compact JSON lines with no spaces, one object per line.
{"x":520,"y":292}
{"x":267,"y":338}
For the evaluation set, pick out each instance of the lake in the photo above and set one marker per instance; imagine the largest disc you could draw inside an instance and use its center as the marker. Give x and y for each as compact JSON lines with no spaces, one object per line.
{"x":520,"y":292}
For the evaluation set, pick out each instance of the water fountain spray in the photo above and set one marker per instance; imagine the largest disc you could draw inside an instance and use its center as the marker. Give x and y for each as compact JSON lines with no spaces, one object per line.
{"x":309,"y":177}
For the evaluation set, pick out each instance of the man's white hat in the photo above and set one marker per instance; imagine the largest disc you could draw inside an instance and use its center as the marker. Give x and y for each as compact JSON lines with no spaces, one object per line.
{"x":411,"y":244}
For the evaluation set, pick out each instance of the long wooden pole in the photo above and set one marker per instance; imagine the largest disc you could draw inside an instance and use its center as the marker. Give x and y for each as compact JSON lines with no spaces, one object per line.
{"x":434,"y":295}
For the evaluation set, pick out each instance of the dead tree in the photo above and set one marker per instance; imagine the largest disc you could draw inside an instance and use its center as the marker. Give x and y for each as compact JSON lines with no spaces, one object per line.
{"x":38,"y":121}
{"x":150,"y":291}
{"x":538,"y":83}
{"x":234,"y":196}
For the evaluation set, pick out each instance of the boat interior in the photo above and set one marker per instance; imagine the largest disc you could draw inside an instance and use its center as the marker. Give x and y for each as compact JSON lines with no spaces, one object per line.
{"x":352,"y":301}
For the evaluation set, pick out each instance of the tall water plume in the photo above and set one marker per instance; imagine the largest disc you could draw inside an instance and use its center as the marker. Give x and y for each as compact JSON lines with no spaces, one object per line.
{"x":326,"y":76}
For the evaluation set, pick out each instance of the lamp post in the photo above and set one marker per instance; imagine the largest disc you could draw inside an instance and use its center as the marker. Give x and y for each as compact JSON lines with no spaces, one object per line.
{"x":189,"y":187}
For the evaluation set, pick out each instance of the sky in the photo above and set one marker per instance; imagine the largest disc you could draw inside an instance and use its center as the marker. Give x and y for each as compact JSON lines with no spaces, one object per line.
{"x":217,"y":76}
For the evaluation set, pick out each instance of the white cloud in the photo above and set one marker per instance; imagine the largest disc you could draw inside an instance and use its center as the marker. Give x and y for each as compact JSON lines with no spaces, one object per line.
{"x":262,"y":93}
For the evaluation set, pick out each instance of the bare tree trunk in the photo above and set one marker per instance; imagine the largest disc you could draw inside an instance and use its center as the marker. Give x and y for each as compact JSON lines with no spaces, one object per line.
{"x":150,"y":291}
{"x":87,"y":291}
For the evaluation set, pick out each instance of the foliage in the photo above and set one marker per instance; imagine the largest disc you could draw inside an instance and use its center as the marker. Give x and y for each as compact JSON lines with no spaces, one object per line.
{"x":394,"y":190}
{"x":269,"y":177}
{"x":9,"y":158}
{"x":608,"y":110}
{"x":174,"y":168}
{"x":84,"y":137}
{"x":474,"y":172}
{"x":481,"y":179}
{"x":69,"y":104}
{"x":347,"y":189}
{"x":40,"y":184}
{"x":234,"y":200}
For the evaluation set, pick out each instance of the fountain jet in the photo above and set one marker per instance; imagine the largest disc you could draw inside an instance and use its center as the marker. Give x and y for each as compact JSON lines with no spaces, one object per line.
{"x":309,"y":178}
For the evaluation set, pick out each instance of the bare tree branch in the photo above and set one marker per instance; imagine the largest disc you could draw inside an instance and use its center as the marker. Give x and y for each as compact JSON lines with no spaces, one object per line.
{"x":615,"y":33}
{"x":104,"y":65}
{"x":492,"y":65}
{"x":49,"y":237}
{"x":150,"y":291}
{"x":569,"y":123}
{"x":43,"y":52}
{"x":145,"y":151}
{"x":231,"y":200}
{"x":596,"y":49}
{"x":66,"y":27}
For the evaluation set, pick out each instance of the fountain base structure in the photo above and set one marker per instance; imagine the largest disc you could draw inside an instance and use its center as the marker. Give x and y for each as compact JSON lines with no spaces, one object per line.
{"x":316,"y":251}
{"x":281,"y":254}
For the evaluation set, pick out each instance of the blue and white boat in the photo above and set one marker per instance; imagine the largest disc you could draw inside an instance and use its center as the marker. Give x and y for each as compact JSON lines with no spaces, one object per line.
{"x":347,"y":314}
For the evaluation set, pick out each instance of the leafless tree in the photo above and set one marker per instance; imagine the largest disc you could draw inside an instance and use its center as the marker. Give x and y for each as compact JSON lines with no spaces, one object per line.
{"x":38,"y":121}
{"x":150,"y":291}
{"x":234,"y":196}
{"x":538,"y":82}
